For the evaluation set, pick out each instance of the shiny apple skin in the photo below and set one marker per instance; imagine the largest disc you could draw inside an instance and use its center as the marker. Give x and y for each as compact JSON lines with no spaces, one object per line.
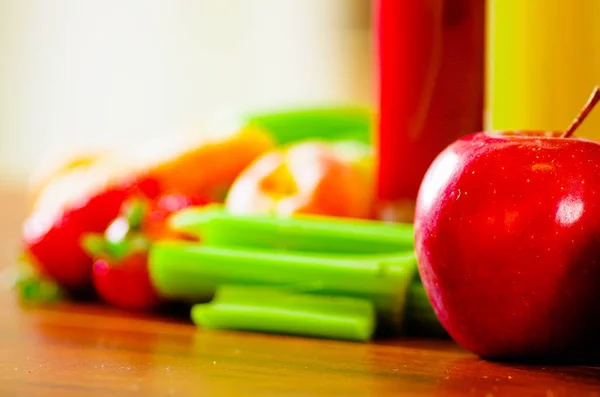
{"x":507,"y":235}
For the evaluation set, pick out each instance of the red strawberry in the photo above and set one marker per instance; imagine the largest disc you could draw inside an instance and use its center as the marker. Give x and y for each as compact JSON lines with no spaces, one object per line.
{"x":120,"y":271}
{"x":125,"y":282}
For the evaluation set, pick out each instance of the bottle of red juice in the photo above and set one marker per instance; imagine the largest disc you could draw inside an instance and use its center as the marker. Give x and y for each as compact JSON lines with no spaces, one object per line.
{"x":430,"y":56}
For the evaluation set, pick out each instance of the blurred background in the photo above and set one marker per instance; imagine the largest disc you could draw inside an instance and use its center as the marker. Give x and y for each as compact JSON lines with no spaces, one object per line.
{"x":103,"y":73}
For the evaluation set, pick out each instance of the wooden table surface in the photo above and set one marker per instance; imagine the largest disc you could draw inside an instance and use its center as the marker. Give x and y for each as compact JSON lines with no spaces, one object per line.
{"x":83,"y":350}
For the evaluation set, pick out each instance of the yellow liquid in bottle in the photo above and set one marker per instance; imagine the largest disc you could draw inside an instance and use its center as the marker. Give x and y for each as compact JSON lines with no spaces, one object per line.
{"x":543,"y":60}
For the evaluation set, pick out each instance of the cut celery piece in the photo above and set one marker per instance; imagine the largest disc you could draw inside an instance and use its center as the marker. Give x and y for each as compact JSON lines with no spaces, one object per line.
{"x":333,"y":123}
{"x":272,"y":310}
{"x":192,"y":272}
{"x":215,"y":227}
{"x":420,"y":317}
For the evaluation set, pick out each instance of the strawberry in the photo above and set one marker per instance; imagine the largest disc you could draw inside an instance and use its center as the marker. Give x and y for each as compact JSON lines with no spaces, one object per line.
{"x":120,"y":270}
{"x":124,"y":282}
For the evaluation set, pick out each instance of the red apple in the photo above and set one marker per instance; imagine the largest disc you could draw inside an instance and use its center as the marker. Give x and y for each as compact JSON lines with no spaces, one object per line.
{"x":507,"y":234}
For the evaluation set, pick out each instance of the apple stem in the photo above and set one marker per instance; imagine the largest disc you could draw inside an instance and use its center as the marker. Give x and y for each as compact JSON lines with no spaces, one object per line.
{"x":594,"y":98}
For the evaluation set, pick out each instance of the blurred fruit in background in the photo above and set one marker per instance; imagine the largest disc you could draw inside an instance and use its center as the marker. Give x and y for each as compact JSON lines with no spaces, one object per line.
{"x":300,"y":161}
{"x":204,"y":167}
{"x":125,"y":282}
{"x":120,"y":254}
{"x":311,"y":177}
{"x":85,"y":196}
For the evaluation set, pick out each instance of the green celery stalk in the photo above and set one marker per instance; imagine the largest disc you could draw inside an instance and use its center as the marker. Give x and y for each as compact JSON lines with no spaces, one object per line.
{"x":216,"y":227}
{"x":265,"y":309}
{"x":420,"y":317}
{"x":192,"y":272}
{"x":332,"y":123}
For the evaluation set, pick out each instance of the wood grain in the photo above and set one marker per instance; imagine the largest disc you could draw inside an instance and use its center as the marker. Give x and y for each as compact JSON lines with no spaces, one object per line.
{"x":89,"y":350}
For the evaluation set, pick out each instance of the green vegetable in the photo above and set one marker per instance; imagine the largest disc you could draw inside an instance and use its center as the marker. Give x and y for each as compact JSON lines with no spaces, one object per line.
{"x":98,"y":245}
{"x":274,"y":310}
{"x":215,"y":227}
{"x":332,"y":123}
{"x":303,"y":254}
{"x":40,"y":290}
{"x":192,"y":272}
{"x":420,"y":317}
{"x":31,"y":286}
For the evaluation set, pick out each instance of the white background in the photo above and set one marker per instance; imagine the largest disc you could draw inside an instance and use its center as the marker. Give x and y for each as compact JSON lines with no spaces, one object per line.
{"x":85,"y":73}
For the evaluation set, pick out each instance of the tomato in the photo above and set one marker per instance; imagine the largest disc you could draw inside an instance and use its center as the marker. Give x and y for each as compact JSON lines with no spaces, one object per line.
{"x":310,"y":177}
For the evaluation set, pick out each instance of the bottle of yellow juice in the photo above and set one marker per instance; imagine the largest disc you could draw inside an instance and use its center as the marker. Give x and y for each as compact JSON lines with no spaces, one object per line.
{"x":543,"y":59}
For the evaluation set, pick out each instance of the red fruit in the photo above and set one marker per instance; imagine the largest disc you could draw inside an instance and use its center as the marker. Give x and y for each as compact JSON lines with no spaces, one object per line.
{"x":55,"y":243}
{"x":53,"y":232}
{"x":310,"y":177}
{"x":125,"y":283}
{"x":85,"y":195}
{"x":120,"y":274}
{"x":154,"y":224}
{"x":141,"y":216}
{"x":507,"y":234}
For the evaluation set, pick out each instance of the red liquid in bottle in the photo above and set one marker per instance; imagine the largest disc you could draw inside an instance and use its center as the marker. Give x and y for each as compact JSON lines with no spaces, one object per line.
{"x":431,"y":82}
